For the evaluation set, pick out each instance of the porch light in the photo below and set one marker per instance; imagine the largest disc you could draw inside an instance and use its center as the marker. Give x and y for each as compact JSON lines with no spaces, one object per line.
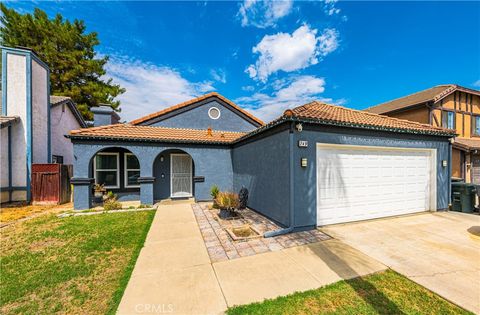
{"x":304,"y":162}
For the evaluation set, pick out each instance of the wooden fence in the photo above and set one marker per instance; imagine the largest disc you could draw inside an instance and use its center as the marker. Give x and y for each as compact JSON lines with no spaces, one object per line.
{"x":51,"y":183}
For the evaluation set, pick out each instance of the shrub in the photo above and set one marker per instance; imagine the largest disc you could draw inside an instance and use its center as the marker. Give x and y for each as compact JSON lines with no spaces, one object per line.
{"x":109,"y":196}
{"x":112,"y":204}
{"x":142,"y":206}
{"x":214,"y":191}
{"x":227,"y":200}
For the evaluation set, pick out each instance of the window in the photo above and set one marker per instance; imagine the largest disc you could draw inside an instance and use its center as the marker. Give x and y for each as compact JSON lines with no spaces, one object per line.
{"x":57,"y":159}
{"x":476,"y":125}
{"x":448,"y":120}
{"x":132,"y":170}
{"x":106,"y":169}
{"x":214,"y":113}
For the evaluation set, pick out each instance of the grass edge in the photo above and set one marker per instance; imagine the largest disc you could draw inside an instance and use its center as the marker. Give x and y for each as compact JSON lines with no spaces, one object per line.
{"x":123,"y":282}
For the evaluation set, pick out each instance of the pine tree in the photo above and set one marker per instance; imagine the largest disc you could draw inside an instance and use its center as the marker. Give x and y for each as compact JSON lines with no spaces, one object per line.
{"x":75,"y":68}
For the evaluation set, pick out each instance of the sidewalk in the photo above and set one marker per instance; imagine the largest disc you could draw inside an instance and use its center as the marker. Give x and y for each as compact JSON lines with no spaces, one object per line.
{"x":174,"y":274}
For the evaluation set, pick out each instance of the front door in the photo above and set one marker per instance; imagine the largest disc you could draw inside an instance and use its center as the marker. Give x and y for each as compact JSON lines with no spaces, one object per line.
{"x":181,"y":175}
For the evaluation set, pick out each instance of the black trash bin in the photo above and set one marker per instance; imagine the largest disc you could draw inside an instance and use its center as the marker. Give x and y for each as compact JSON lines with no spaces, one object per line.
{"x":463,"y":197}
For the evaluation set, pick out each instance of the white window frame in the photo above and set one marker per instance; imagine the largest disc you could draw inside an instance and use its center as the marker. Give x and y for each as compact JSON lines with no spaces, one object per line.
{"x":210,"y":115}
{"x":126,"y":169}
{"x":117,"y":170}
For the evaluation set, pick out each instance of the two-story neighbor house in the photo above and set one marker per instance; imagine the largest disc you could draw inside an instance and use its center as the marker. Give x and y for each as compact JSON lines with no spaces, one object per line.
{"x":449,"y":106}
{"x":33,"y":123}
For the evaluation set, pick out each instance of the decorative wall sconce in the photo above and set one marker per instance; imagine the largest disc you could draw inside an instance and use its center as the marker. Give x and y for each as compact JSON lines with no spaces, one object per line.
{"x":304,"y":162}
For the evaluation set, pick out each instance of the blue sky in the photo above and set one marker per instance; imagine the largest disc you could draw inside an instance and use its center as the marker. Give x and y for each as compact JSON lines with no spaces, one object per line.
{"x":269,"y":56}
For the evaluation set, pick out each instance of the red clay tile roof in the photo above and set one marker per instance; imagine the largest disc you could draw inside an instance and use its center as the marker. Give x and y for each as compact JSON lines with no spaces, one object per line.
{"x":192,"y":101}
{"x":434,"y":94}
{"x":148,"y":133}
{"x":467,"y":143}
{"x":338,"y":115}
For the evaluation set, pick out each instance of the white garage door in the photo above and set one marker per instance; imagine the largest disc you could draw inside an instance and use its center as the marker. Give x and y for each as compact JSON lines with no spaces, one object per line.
{"x":358,"y":183}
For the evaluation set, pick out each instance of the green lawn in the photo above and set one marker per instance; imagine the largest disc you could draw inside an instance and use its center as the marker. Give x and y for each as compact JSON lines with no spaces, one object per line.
{"x":382,"y":293}
{"x":76,"y":265}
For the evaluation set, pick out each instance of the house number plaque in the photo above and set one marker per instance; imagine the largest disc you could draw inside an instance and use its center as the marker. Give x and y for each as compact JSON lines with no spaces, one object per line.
{"x":303,"y":143}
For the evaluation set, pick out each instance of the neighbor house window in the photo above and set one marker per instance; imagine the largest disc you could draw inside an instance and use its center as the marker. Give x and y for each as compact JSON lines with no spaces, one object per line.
{"x":106,"y":169}
{"x":448,"y":120}
{"x":476,"y":125}
{"x":132,"y":170}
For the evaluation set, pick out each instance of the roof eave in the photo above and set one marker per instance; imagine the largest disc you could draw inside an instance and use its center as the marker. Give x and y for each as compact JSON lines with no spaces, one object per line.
{"x":372,"y":127}
{"x":84,"y":137}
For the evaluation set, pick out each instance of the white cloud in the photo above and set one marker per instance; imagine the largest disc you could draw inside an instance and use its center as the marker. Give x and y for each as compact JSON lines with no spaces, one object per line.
{"x":287,"y":93}
{"x":290,"y":52}
{"x":150,"y":88}
{"x":476,"y":83}
{"x":263,"y":13}
{"x":330,"y":8}
{"x":328,"y":41}
{"x":219,"y":75}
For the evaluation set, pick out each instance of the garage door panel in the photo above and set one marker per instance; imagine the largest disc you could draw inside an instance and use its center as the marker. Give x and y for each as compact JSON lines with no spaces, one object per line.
{"x":358,"y":184}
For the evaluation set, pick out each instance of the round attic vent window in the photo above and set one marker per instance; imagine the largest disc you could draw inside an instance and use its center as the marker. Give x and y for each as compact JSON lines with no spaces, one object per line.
{"x":214,"y":113}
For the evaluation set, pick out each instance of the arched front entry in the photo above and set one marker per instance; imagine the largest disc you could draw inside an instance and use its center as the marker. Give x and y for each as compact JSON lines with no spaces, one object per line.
{"x":173,"y":170}
{"x":118,"y":169}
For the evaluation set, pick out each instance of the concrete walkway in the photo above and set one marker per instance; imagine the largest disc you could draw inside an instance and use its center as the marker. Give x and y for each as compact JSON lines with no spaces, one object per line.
{"x":435,"y":250}
{"x":173,"y":273}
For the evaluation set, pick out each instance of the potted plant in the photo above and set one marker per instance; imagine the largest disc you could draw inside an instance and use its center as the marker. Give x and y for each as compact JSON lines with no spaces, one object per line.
{"x":228,"y":203}
{"x":98,"y":191}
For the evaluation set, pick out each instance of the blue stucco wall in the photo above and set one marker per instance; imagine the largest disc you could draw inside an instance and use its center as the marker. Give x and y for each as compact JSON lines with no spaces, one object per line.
{"x":305,"y":203}
{"x":263,"y":168}
{"x":212,"y":162}
{"x":197,"y":118}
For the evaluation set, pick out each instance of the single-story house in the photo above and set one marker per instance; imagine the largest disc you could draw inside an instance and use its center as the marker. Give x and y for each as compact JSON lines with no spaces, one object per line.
{"x":317,"y":164}
{"x":32,"y":122}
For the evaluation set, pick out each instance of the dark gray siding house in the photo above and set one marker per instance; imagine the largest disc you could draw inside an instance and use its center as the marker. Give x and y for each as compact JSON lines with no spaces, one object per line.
{"x":317,"y":164}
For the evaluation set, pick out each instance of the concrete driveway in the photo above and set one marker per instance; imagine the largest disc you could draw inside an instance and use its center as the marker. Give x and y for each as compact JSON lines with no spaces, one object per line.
{"x":433,"y":249}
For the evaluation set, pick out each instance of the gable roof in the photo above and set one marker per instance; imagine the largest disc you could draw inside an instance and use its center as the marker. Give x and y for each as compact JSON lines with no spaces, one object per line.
{"x":193,"y":101}
{"x":433,"y":94}
{"x":341,"y":116}
{"x":149,"y":133}
{"x":56,"y":100}
{"x":314,"y":112}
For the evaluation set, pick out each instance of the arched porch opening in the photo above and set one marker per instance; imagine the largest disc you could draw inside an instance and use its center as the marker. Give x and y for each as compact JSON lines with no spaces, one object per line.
{"x":173,"y":170}
{"x":118,"y":169}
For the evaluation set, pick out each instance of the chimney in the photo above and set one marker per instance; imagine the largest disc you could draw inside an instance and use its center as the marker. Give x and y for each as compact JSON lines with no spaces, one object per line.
{"x":104,"y":115}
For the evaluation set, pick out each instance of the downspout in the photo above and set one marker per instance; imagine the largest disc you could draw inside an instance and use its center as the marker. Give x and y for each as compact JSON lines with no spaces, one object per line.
{"x":292,"y":186}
